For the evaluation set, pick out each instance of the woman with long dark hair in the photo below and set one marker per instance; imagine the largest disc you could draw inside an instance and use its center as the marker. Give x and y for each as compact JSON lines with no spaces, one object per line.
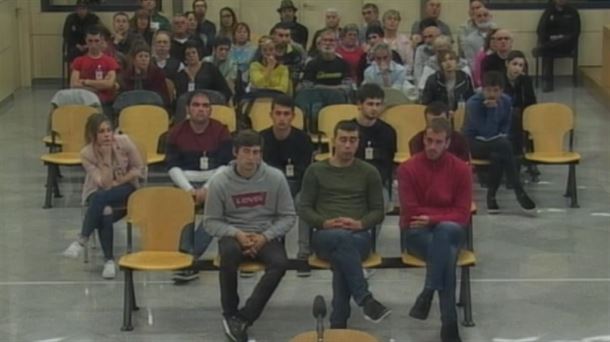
{"x":228,"y":21}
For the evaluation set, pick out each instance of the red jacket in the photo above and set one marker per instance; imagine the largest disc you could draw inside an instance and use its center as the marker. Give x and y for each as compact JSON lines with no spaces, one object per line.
{"x":440,"y":189}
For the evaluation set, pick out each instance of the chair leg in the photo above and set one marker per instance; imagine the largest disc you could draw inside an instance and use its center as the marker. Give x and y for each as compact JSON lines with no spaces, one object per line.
{"x":134,"y":305}
{"x":468,"y":322}
{"x":86,"y":253}
{"x":461,"y":299}
{"x":568,"y":192}
{"x":49,"y":188}
{"x":573,"y":187}
{"x":56,"y":192}
{"x":127,"y":301}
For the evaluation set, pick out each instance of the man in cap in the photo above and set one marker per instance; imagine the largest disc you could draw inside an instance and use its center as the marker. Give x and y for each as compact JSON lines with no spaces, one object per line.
{"x":299,"y":32}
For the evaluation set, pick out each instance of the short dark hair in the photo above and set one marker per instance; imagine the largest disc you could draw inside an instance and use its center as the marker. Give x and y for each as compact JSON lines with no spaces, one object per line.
{"x":193,"y":44}
{"x":93,"y":30}
{"x":369,"y":91}
{"x":346,"y":125}
{"x":137,"y":47}
{"x":222,"y":41}
{"x":282,"y":26}
{"x":427,"y":23}
{"x":438,"y":125}
{"x":120,"y":14}
{"x":247,"y":138}
{"x":437,"y":108}
{"x":372,"y":6}
{"x":515,"y":54}
{"x":196,"y":1}
{"x":493,"y":79}
{"x":195,"y":93}
{"x":284,"y":101}
{"x":374,"y":29}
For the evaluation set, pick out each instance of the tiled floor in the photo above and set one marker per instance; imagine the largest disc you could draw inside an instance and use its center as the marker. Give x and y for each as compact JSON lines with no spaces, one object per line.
{"x":539,"y":279}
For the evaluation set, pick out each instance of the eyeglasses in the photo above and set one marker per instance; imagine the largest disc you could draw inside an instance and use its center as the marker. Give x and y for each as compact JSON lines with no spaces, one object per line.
{"x":93,"y":40}
{"x":367,"y":12}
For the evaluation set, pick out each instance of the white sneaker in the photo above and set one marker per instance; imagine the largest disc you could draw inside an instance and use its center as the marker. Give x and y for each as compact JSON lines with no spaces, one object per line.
{"x":74,"y":250}
{"x":109,"y":271}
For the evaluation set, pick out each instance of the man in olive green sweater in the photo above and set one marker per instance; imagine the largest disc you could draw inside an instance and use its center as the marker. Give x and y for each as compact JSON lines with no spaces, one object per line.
{"x":342,"y":198}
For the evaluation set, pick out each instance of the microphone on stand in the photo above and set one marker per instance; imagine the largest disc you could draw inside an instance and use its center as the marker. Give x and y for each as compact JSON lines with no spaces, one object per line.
{"x":319,"y":312}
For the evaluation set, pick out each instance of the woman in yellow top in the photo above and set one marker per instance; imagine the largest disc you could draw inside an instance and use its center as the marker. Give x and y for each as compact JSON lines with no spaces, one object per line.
{"x":266,"y":72}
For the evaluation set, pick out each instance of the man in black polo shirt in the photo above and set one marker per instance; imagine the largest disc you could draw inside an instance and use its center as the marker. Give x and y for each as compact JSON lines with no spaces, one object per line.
{"x":290,"y":150}
{"x":327,"y":69}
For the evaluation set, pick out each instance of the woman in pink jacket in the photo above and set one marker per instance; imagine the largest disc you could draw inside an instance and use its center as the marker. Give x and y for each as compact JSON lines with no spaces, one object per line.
{"x":113,"y":166}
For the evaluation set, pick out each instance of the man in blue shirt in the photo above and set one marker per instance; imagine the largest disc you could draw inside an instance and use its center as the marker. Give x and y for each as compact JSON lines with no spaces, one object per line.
{"x":487,"y":128}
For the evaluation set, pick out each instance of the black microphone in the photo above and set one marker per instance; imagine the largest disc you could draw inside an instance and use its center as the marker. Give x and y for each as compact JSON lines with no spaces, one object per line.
{"x":319,"y":312}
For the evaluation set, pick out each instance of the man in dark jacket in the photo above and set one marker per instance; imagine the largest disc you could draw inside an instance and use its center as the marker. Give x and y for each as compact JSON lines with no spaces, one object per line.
{"x":558,"y":32}
{"x":75,"y":26}
{"x":287,"y":12}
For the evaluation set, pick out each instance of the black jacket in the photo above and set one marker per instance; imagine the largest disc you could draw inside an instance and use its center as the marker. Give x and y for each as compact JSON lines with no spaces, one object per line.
{"x":522,"y":92}
{"x":299,"y":33}
{"x":565,"y":22}
{"x":436,"y":89}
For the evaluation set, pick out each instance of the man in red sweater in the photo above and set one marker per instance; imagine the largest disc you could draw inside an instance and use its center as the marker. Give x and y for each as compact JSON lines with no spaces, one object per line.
{"x":435,"y":190}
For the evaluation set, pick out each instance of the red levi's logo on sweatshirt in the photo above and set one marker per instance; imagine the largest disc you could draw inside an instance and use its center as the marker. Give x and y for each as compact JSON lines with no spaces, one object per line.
{"x":250,"y":200}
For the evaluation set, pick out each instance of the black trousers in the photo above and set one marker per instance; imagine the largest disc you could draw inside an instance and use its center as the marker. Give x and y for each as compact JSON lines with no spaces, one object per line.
{"x":548,"y":51}
{"x":273,"y":255}
{"x":502,"y":160}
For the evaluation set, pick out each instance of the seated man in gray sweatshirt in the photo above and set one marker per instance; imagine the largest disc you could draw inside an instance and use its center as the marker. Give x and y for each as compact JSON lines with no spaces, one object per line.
{"x":250,"y":209}
{"x":342,"y":198}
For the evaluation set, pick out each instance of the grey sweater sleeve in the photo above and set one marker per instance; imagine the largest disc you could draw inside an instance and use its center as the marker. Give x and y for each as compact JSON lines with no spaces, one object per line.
{"x":213,"y":215}
{"x":285,"y":213}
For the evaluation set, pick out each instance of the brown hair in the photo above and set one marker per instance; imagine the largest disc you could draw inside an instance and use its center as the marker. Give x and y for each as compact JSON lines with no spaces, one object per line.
{"x":93,"y":124}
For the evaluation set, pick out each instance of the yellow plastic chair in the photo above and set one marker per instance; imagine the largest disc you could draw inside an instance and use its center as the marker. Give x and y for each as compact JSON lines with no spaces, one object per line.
{"x":245,"y":266}
{"x":261,"y":119}
{"x":373,"y":260}
{"x":328,"y":118}
{"x":407,"y":120}
{"x":226,"y":115}
{"x":160,"y":213}
{"x":458,"y":119}
{"x":466,"y":259}
{"x":68,"y":122}
{"x":336,"y":335}
{"x":548,"y":124}
{"x":145,"y":124}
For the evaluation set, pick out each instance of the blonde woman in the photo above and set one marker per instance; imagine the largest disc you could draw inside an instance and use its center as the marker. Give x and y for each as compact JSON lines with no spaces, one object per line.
{"x":266,"y":71}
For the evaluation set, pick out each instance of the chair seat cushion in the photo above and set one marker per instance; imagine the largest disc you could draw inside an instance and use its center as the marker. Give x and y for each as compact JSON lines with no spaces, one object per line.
{"x":156,"y":261}
{"x":48,"y":140}
{"x":62,"y":158}
{"x":466,"y":258}
{"x":245,"y":266}
{"x":155,"y":158}
{"x":373,"y":260}
{"x":553,"y":158}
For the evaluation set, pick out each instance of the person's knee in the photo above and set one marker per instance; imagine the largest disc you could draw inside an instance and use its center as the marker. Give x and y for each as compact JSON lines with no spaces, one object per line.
{"x":278,"y":265}
{"x":230,"y":252}
{"x":448,"y":229}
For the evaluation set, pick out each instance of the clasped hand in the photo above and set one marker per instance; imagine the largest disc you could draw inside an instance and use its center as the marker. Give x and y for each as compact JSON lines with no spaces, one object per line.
{"x":342,"y":222}
{"x":251,"y":243}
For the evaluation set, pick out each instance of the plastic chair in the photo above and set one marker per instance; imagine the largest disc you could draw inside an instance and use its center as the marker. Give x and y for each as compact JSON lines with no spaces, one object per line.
{"x":161,"y":213}
{"x":136,"y":97}
{"x":216,"y":98}
{"x":466,"y":259}
{"x":373,"y":260}
{"x":328,"y":118}
{"x":407,"y":120}
{"x":66,"y":97}
{"x":261,"y":119}
{"x":395,"y":97}
{"x":459,"y":116}
{"x":548,"y":124}
{"x":245,"y":266}
{"x":571,"y":54}
{"x":145,"y":124}
{"x":226,"y":115}
{"x":69,"y":123}
{"x":336,"y":335}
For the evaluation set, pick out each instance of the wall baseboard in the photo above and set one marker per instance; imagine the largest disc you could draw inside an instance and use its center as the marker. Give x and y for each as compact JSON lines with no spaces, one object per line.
{"x":6,"y":103}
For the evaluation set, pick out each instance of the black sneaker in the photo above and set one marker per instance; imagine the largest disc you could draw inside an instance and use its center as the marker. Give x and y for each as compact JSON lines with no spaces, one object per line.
{"x":235,"y":329}
{"x":421,"y":308}
{"x":492,"y":206}
{"x":449,"y":332}
{"x":185,"y":276}
{"x":374,"y":311}
{"x":303,"y":269}
{"x":526,"y":203}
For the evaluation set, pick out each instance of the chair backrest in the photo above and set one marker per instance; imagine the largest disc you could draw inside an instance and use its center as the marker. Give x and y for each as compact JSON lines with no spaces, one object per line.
{"x":216,"y":98}
{"x":261,"y":119}
{"x":69,"y":123}
{"x":76,"y":96}
{"x":226,"y":115}
{"x":161,"y":213}
{"x":395,"y":97}
{"x":144,"y":156}
{"x":136,"y":97}
{"x":329,"y":116}
{"x":407,"y":120}
{"x":145,"y":124}
{"x":459,"y":116}
{"x":548,"y":124}
{"x":171,"y":89}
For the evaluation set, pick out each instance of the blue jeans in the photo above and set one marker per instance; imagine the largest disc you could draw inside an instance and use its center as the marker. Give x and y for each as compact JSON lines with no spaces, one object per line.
{"x":115,"y":198}
{"x":345,"y":250}
{"x":439,"y":245}
{"x":195,"y":241}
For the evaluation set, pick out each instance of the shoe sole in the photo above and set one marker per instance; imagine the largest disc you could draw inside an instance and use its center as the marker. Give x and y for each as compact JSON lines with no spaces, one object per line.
{"x":530,"y":212}
{"x":303,"y":274}
{"x":421,"y":318}
{"x":225,"y":325}
{"x":381,"y":318}
{"x":493,"y":211}
{"x":185,"y":279}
